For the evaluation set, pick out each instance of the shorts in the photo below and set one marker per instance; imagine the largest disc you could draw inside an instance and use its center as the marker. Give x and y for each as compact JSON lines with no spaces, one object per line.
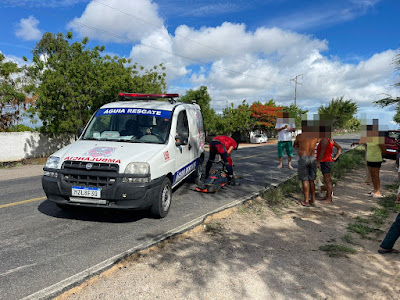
{"x":307,"y":168}
{"x":285,"y":145}
{"x":326,"y":166}
{"x":374,"y":164}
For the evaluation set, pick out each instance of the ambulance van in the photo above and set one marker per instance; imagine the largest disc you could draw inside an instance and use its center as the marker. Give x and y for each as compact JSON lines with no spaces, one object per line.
{"x":130,"y":155}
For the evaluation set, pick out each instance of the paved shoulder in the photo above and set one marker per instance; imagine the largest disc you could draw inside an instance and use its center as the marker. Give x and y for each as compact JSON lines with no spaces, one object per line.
{"x":21,"y":172}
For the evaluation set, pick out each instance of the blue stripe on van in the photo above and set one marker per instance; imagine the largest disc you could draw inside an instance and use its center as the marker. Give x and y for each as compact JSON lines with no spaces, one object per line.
{"x":182,"y":173}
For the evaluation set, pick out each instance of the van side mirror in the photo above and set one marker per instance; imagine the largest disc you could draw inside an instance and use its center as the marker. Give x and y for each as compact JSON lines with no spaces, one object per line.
{"x":177,"y":140}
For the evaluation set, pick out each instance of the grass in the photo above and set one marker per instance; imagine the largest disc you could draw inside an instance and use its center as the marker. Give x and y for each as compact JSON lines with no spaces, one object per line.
{"x":348,"y":238}
{"x":348,"y":161}
{"x":214,"y":228}
{"x":280,"y":196}
{"x":378,"y":217}
{"x":361,"y":229}
{"x":334,"y":250}
{"x":27,"y":161}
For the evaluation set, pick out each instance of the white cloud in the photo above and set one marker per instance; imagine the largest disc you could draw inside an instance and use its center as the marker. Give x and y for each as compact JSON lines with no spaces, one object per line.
{"x":27,"y":29}
{"x":118,"y":20}
{"x":236,"y":63}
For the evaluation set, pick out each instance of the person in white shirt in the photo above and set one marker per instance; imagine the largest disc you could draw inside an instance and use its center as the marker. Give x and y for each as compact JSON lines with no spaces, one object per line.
{"x":285,"y":127}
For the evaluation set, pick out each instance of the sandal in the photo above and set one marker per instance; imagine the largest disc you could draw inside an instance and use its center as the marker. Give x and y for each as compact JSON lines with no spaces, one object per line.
{"x":385,"y":251}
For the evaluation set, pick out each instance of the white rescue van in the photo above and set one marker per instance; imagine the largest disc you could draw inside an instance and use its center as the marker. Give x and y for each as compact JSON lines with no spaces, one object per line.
{"x":130,"y":155}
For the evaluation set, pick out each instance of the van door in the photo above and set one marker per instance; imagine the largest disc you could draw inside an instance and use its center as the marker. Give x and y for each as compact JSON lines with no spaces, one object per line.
{"x":185,"y":162}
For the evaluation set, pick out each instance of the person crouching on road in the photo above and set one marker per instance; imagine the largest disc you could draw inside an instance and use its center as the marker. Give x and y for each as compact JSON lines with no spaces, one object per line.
{"x":222,"y":145}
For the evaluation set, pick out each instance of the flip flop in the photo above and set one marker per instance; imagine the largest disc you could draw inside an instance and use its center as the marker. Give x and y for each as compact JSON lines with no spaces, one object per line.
{"x":384,"y":251}
{"x":377,"y":196}
{"x":302,"y":204}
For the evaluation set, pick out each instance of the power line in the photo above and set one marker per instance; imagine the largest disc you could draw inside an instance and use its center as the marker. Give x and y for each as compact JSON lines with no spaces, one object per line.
{"x":148,"y":45}
{"x":295,"y":86}
{"x":176,"y":34}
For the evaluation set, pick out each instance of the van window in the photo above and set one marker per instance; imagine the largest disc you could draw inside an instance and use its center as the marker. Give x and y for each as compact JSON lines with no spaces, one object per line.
{"x":182,"y":127}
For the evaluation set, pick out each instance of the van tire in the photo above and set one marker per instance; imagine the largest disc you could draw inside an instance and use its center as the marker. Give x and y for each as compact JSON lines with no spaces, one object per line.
{"x":163,"y":202}
{"x":197,"y":173}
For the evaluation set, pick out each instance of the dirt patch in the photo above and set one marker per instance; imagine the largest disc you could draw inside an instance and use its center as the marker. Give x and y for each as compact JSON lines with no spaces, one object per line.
{"x":265,"y":254}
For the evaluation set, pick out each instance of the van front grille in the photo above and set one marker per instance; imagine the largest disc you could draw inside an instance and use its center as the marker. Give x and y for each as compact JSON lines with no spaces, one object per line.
{"x":79,"y":173}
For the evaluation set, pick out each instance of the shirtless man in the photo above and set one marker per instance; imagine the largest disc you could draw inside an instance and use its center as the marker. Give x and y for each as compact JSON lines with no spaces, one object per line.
{"x":307,"y":165}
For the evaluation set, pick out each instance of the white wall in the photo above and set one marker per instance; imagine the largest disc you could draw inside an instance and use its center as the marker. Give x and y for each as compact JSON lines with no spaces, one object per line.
{"x":15,"y":146}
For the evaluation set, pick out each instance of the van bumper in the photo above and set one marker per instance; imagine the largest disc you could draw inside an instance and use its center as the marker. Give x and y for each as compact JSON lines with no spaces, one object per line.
{"x":121,"y":195}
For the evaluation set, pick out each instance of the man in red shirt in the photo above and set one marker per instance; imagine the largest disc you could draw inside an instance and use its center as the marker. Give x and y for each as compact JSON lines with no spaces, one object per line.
{"x":223,"y":145}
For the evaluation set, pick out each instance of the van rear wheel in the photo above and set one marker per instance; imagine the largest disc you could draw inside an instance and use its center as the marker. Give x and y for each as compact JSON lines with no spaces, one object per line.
{"x":163,"y":202}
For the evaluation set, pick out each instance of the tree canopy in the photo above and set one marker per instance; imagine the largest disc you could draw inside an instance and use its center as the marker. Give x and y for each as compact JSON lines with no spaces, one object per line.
{"x":264,"y":115}
{"x":390,"y":100}
{"x":203,"y":99}
{"x":73,"y":81}
{"x":13,"y":93}
{"x":340,"y":110}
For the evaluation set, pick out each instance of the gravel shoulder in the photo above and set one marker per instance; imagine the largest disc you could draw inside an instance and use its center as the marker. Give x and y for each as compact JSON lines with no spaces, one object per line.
{"x":255,"y":252}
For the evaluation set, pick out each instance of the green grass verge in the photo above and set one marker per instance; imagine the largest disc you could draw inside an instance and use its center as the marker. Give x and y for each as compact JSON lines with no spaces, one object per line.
{"x":27,"y":161}
{"x":334,"y":250}
{"x":281,"y":195}
{"x":214,"y":228}
{"x":362,"y":229}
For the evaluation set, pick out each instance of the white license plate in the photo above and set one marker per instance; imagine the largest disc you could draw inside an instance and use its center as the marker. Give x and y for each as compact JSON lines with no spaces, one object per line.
{"x":390,"y":150}
{"x":89,"y":192}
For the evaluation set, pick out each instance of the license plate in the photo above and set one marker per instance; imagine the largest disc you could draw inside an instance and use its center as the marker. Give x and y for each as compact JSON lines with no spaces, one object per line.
{"x":390,"y":150}
{"x":89,"y":192}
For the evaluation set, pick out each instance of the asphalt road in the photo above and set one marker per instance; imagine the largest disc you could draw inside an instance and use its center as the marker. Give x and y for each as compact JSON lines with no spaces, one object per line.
{"x":43,"y":248}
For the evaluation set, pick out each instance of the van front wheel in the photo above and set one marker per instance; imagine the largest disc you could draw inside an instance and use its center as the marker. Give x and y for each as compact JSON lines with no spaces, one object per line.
{"x":163,"y":202}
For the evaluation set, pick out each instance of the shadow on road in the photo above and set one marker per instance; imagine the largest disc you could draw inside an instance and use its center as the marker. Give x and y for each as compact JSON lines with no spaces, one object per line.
{"x":95,"y":214}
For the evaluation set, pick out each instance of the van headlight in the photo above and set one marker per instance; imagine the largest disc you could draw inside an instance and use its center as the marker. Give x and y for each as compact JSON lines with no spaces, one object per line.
{"x":51,"y":163}
{"x":140,"y":173}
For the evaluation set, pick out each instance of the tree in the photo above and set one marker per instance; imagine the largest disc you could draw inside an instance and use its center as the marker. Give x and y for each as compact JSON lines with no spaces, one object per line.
{"x":234,"y":120}
{"x":296,"y":112}
{"x":264,"y":115}
{"x":74,"y":81}
{"x":203,"y":99}
{"x":390,"y":100}
{"x":13,"y":91}
{"x":340,"y":110}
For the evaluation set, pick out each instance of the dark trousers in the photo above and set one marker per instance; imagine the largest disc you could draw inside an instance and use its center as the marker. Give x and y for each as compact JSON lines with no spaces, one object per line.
{"x":392,"y":235}
{"x":216,"y":147}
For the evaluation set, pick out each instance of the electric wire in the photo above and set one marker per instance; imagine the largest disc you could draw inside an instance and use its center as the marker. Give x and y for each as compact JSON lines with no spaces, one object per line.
{"x":145,"y":44}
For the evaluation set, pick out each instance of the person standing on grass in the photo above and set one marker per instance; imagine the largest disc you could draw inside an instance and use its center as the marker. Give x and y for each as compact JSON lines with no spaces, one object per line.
{"x":375,"y":151}
{"x":394,"y":232}
{"x":285,"y":128}
{"x":325,"y":160}
{"x":307,"y":165}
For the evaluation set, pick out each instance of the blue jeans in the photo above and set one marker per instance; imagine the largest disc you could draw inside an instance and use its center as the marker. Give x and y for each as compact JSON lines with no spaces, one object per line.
{"x":392,"y":235}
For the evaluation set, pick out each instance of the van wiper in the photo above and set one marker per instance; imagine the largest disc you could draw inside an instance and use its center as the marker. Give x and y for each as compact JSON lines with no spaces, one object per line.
{"x":91,"y":139}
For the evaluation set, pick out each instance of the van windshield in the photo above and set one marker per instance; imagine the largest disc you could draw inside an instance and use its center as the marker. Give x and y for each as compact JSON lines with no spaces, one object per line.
{"x":135,"y":125}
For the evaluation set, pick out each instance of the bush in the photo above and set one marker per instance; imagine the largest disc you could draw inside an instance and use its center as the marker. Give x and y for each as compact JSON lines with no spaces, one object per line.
{"x":20,"y":128}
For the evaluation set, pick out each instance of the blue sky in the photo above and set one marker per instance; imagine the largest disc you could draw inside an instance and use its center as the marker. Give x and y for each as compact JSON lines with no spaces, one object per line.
{"x":239,"y":49}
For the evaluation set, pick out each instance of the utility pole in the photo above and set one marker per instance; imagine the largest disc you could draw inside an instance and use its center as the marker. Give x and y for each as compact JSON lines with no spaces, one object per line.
{"x":295,"y":86}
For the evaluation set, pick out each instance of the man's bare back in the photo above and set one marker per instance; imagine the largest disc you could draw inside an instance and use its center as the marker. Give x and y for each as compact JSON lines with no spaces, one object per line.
{"x":305,"y":144}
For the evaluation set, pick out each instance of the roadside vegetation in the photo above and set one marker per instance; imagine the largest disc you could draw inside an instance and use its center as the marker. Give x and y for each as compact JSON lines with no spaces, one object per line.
{"x":27,"y":161}
{"x":366,"y":226}
{"x":276,"y":199}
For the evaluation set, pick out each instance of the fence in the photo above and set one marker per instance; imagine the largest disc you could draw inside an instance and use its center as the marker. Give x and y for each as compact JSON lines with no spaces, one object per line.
{"x":15,"y":146}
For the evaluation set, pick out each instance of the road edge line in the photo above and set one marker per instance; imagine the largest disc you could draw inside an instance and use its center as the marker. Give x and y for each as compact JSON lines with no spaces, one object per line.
{"x":59,"y":288}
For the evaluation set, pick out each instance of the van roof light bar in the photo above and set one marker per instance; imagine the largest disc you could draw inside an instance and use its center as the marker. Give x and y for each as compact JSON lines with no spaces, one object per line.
{"x":135,"y":96}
